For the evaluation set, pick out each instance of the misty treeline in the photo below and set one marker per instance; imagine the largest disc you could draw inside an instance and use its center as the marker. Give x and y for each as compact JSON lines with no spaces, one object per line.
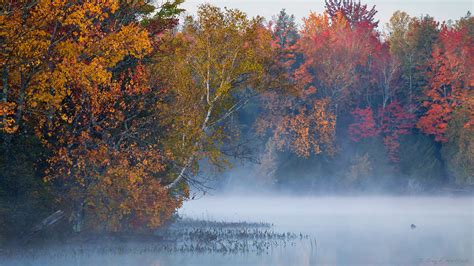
{"x":109,"y":109}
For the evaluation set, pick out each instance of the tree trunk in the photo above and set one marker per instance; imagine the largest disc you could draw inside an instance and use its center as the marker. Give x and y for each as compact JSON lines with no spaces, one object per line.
{"x":191,"y":158}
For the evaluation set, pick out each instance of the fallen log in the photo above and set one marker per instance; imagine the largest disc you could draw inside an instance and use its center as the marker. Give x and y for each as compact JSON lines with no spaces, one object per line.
{"x":45,"y":223}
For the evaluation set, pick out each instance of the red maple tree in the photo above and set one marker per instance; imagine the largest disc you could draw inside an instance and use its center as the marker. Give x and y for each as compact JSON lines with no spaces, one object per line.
{"x":390,"y":122}
{"x":451,"y":81}
{"x":364,"y":125}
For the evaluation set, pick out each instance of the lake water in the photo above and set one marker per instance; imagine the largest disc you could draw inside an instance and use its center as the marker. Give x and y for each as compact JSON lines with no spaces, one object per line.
{"x":341,"y":230}
{"x":356,"y":230}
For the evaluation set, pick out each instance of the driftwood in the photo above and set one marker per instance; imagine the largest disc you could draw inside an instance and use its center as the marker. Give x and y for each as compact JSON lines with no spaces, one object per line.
{"x":45,"y":223}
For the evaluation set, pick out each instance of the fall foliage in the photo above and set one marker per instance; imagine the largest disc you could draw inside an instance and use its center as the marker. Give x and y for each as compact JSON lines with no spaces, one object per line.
{"x":451,"y":80}
{"x":110,"y":109}
{"x":72,"y":78}
{"x":414,"y":79}
{"x":211,"y":68}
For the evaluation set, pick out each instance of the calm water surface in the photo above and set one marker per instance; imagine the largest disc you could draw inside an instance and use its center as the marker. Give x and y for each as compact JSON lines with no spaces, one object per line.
{"x":357,"y":230}
{"x":345,"y":231}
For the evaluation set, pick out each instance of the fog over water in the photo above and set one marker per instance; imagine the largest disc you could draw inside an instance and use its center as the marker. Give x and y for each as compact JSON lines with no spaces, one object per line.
{"x":358,"y":230}
{"x":375,"y":230}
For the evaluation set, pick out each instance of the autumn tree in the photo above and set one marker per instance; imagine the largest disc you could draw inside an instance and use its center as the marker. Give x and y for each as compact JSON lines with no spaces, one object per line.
{"x":336,"y":59}
{"x":36,"y":37}
{"x":328,"y":79}
{"x":210,"y":69}
{"x":396,"y":33}
{"x":448,"y":99}
{"x":395,"y":121}
{"x":391,"y":122}
{"x":293,"y":117}
{"x":411,"y":42}
{"x":364,"y":125}
{"x":385,"y":77}
{"x":298,"y":124}
{"x":108,"y":158}
{"x":285,"y":36}
{"x":451,"y":81}
{"x":72,"y":71}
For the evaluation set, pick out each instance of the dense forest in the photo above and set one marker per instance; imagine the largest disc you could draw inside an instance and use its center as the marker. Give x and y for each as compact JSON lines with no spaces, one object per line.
{"x":109,"y":111}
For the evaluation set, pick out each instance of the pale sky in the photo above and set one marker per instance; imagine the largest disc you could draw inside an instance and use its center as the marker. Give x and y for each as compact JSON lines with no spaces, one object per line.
{"x":442,"y":10}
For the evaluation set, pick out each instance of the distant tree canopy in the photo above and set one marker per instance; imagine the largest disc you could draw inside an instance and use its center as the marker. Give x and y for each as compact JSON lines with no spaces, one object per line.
{"x":414,"y":85}
{"x":108,"y":110}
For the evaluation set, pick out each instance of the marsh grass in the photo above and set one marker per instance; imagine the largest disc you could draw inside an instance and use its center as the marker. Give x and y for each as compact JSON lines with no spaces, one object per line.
{"x":181,"y":236}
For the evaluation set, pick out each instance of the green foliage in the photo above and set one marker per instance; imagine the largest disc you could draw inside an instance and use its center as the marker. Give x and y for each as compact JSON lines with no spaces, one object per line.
{"x":411,"y":43}
{"x":459,"y":151}
{"x":421,"y":159}
{"x":170,"y":9}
